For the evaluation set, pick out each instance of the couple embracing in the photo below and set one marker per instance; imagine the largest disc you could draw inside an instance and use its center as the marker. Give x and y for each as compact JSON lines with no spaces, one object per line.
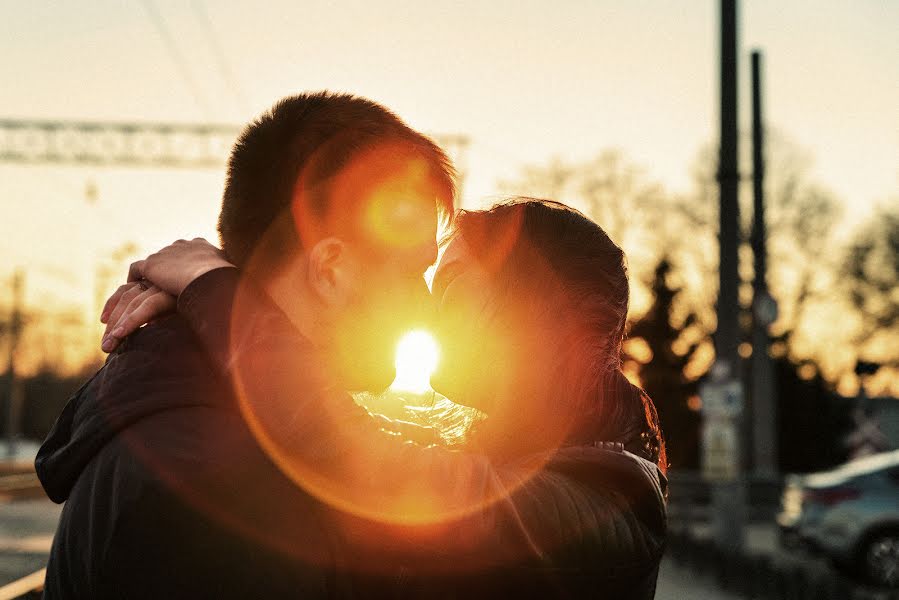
{"x":219,"y":454}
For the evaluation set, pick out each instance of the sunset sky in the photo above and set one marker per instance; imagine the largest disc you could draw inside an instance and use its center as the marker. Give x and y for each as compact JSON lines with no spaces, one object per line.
{"x":526,"y":81}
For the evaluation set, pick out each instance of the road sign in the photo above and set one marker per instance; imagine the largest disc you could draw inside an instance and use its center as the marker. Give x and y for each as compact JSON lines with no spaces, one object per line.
{"x":765,"y":309}
{"x":722,"y":407}
{"x":722,"y":399}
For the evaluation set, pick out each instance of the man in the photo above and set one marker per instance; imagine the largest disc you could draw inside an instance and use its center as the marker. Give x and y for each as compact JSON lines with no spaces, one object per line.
{"x":331,"y":207}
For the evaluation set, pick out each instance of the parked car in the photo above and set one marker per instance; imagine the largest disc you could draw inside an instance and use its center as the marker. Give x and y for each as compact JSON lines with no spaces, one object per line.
{"x":850,"y":514}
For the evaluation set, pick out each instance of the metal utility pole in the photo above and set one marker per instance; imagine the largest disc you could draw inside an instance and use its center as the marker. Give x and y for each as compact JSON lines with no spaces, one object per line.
{"x":723,"y":393}
{"x":764,"y":308}
{"x":13,"y":389}
{"x":727,"y":335}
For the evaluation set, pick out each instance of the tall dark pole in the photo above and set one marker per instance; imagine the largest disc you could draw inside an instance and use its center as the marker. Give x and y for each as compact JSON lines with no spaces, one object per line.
{"x":727,"y":334}
{"x":764,"y":309}
{"x":728,"y":495}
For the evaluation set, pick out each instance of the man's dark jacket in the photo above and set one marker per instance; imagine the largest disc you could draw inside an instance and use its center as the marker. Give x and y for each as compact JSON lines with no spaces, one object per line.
{"x":168,"y":494}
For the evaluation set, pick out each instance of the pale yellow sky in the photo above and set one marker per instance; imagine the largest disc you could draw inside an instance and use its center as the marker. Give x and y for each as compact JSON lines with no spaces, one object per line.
{"x":526,"y":80}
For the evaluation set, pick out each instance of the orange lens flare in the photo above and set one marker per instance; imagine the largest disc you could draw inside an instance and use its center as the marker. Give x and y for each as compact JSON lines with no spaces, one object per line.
{"x":364,"y":477}
{"x":386,"y":196}
{"x":393,"y":217}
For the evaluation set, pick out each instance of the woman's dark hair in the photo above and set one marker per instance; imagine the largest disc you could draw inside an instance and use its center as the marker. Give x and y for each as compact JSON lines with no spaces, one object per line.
{"x":564,"y":266}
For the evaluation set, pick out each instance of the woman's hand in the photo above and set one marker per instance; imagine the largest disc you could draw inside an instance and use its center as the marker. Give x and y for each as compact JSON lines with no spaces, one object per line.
{"x":130,"y":307}
{"x":175,"y":266}
{"x":153,"y":287}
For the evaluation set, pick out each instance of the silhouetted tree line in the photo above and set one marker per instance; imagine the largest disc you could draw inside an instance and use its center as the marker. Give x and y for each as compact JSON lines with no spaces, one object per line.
{"x":813,"y":419}
{"x":44,"y":395}
{"x":663,"y":376}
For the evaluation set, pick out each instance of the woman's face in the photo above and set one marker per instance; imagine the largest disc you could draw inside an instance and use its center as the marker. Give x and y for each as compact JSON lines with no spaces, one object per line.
{"x":466,"y":327}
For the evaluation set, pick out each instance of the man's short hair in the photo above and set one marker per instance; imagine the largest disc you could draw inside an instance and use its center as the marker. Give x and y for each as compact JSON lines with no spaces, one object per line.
{"x":313,"y":136}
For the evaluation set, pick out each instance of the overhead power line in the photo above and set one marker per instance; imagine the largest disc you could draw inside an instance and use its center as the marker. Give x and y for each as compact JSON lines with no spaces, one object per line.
{"x":224,"y":69}
{"x":177,"y":57}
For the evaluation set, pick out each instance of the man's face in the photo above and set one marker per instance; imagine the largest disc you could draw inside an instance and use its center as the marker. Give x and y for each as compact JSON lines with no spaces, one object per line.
{"x":393,"y":244}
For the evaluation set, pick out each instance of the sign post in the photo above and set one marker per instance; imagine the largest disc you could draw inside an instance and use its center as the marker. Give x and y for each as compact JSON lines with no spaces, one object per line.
{"x":722,"y":412}
{"x":722,"y":406}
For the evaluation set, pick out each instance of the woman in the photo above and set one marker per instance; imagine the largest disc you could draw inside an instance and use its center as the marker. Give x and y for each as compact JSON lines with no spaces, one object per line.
{"x":560,"y":490}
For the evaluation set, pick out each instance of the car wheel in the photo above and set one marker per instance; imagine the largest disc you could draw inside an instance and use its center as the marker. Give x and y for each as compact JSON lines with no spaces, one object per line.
{"x":881,"y":559}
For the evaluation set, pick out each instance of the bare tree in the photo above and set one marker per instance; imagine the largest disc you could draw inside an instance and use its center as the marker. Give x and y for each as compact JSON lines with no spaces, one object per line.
{"x":650,"y":223}
{"x":870,"y":271}
{"x":613,"y":191}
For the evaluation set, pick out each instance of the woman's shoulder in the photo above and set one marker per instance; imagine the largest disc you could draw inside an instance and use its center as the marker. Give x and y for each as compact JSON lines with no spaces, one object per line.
{"x":601,"y":502}
{"x":605,"y":473}
{"x":602,"y":463}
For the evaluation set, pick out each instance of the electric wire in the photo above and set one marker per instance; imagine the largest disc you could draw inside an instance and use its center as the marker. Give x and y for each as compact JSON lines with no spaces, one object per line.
{"x":177,"y":57}
{"x":224,"y":69}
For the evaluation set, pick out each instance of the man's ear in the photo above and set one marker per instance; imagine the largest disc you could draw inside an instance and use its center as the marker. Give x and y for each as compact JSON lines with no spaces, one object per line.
{"x":331,"y":271}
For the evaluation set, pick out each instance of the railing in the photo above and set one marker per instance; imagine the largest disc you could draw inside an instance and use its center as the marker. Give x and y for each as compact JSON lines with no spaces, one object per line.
{"x":20,"y":486}
{"x":29,"y":587}
{"x":18,"y":481}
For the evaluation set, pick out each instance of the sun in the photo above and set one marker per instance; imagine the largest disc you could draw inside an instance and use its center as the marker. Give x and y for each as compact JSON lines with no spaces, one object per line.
{"x":417,"y":355}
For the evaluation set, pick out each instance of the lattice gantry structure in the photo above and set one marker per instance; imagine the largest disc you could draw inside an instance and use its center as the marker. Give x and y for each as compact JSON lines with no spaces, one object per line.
{"x":157,"y":145}
{"x":165,"y":145}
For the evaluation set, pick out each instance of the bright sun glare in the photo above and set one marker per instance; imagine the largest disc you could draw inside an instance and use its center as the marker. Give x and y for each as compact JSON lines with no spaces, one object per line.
{"x":416,"y":358}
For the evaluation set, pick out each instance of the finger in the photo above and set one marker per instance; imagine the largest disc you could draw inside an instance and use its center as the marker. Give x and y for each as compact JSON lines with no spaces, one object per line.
{"x":115,"y":332}
{"x":133,"y":291}
{"x":136,"y":270}
{"x":142,"y":310}
{"x":113,"y":301}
